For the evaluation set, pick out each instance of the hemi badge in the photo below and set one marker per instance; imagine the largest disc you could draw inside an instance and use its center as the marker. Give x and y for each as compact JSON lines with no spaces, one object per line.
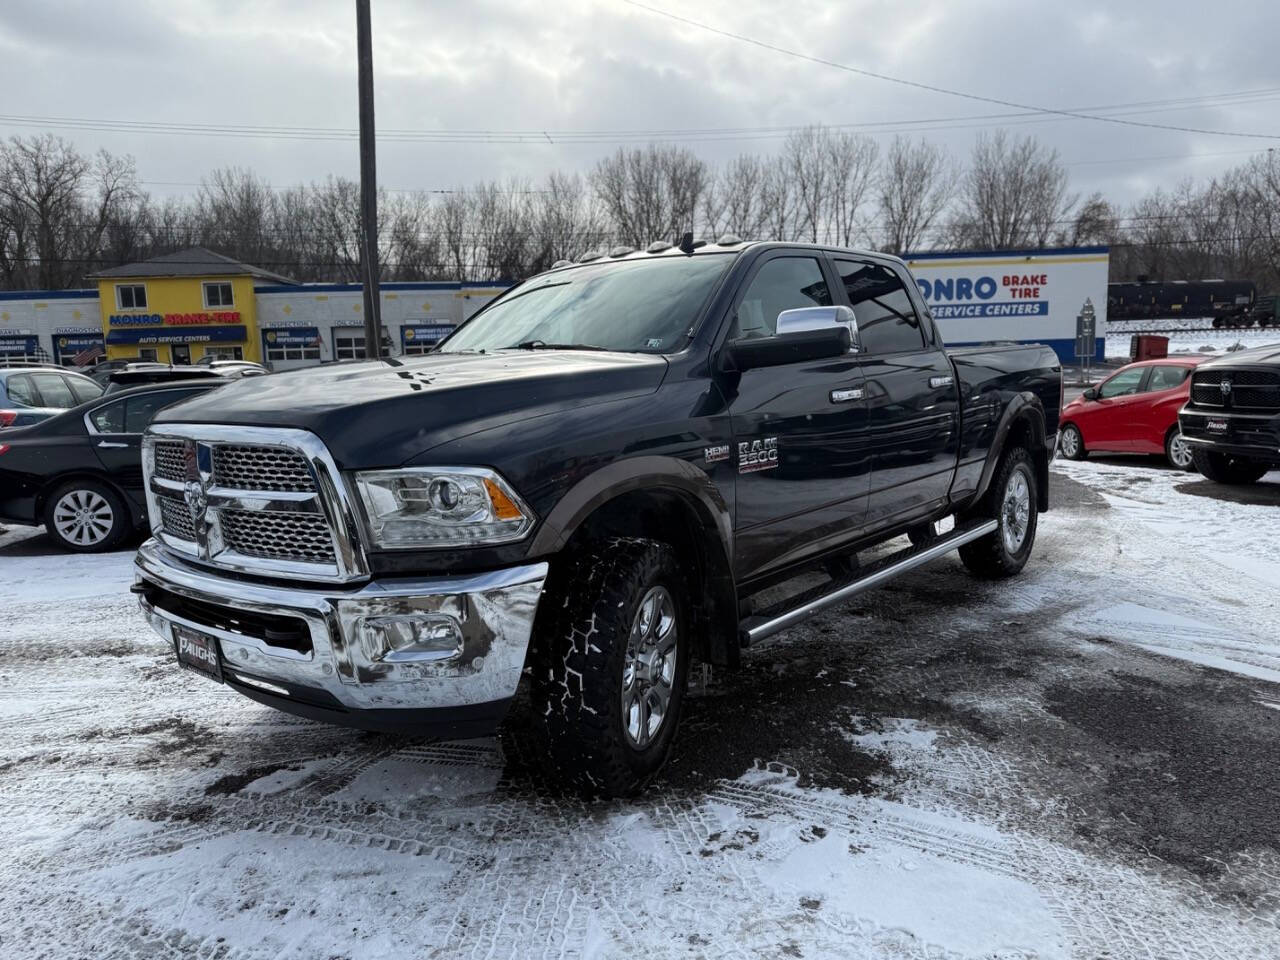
{"x":716,"y":454}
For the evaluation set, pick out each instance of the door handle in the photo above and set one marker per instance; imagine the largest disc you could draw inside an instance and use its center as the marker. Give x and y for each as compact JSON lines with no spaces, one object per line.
{"x":111,"y":444}
{"x":844,"y":396}
{"x":941,"y":381}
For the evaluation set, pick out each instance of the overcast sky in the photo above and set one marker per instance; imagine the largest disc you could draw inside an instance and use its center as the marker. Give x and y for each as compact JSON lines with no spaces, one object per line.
{"x":568,"y":67}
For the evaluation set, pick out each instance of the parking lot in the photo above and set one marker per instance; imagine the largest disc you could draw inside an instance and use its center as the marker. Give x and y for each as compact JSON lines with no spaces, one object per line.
{"x":1082,"y":762}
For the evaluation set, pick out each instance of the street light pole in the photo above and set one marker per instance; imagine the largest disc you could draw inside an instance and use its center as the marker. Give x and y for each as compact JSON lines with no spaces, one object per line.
{"x":368,"y":187}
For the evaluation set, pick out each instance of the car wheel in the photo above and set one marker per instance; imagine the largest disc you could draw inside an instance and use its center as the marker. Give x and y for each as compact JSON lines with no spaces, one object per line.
{"x":1011,"y":502}
{"x":86,"y":516}
{"x":611,"y":658}
{"x":1071,"y":443}
{"x":1222,"y":468}
{"x":1177,"y":451}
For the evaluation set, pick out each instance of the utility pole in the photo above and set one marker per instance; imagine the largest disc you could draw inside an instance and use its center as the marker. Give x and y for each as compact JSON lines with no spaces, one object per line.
{"x":368,"y":187}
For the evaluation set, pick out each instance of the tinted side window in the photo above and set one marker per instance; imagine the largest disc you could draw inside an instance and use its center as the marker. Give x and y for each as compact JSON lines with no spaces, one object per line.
{"x":140,"y":411}
{"x":54,"y":390}
{"x":1122,"y":384}
{"x":887,"y":322}
{"x":786,"y":283}
{"x":20,"y":391}
{"x":1166,"y":378}
{"x":84,"y":390}
{"x":109,"y":419}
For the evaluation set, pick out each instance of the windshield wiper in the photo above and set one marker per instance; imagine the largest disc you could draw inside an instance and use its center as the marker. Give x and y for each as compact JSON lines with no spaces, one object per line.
{"x":543,"y":345}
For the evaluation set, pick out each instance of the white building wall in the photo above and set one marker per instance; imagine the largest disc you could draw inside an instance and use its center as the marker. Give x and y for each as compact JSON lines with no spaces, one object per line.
{"x":57,"y":323}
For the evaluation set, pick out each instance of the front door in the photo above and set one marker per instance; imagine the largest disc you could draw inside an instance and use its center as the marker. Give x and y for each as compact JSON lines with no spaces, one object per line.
{"x":911,"y":397}
{"x":1113,"y":419}
{"x":181,"y":353}
{"x":799,"y":450}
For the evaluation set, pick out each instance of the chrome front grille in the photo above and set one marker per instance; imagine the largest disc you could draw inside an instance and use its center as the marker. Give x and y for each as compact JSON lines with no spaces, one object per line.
{"x":170,"y":461}
{"x":244,"y":467}
{"x":249,"y":499}
{"x":175,"y":518}
{"x":278,"y":535}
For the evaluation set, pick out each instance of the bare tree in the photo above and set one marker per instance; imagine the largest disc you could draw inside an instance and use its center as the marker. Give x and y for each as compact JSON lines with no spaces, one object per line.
{"x":1013,"y":194}
{"x":651,"y":193}
{"x":851,"y":169}
{"x":567,"y":221}
{"x":916,"y":183}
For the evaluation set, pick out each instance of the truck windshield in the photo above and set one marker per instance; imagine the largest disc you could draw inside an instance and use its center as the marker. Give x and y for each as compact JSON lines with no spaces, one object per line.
{"x":638,"y":306}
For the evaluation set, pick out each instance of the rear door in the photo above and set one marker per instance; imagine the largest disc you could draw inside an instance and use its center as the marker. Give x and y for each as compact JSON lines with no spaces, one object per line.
{"x":911,"y":397}
{"x":1164,"y":392}
{"x":117,"y":430}
{"x":799,"y":429}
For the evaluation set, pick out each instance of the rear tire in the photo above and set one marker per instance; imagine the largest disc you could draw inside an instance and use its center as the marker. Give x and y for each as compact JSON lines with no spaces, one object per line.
{"x":1011,"y":502}
{"x":610,"y":662}
{"x":86,"y":516}
{"x":1071,"y":443}
{"x":1177,"y":451}
{"x":1226,"y":469}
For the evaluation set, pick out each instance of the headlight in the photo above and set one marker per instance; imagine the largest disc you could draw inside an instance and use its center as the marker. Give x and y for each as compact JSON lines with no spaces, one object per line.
{"x":441,"y":507}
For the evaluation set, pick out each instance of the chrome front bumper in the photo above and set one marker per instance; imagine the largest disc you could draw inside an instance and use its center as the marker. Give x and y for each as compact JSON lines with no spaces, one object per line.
{"x":340,"y":678}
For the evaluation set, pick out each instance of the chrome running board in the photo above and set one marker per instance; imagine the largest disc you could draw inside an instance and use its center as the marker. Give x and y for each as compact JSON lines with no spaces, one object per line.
{"x":756,"y":628}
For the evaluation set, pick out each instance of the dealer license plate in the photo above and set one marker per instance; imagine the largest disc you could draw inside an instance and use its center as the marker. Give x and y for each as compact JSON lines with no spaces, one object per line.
{"x":1217,"y":426}
{"x":198,"y":651}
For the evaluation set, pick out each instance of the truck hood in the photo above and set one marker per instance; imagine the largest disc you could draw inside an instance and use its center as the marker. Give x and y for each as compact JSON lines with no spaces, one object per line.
{"x":1268,"y":355}
{"x":383,"y":412}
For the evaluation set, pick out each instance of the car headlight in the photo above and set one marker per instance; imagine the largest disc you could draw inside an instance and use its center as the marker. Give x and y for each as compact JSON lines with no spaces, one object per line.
{"x":441,"y":507}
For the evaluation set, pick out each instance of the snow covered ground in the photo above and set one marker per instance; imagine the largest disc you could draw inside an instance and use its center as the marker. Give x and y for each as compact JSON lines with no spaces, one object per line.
{"x":1081,"y":763}
{"x":1187,"y":336}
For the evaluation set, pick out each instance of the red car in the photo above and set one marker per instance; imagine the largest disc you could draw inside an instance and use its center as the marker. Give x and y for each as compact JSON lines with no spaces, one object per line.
{"x":1135,"y":410}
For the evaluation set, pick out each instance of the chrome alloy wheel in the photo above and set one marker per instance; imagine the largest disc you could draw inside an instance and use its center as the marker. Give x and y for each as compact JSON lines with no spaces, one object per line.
{"x":83,"y":517}
{"x":1180,"y":451}
{"x":1015,"y":512}
{"x":649,"y":670}
{"x":1069,"y":441}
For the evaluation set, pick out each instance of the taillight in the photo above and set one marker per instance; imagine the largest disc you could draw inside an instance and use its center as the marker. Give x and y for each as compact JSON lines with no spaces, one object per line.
{"x":7,"y":417}
{"x":4,"y":448}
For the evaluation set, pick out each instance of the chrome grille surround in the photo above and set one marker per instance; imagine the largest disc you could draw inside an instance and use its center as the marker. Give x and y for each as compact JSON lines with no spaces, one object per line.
{"x":270,"y":527}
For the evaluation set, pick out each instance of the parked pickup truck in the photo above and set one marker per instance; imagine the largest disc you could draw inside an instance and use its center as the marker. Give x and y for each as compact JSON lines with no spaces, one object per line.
{"x":1232,"y":420}
{"x":587,"y":484}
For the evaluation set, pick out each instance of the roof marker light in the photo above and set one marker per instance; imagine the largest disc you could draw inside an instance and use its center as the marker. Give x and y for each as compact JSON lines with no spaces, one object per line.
{"x":621,"y":251}
{"x":729,"y":240}
{"x":658,"y":246}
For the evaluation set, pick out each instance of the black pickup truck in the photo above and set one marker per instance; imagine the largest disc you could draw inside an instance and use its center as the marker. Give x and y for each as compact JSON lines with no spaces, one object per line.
{"x":1232,"y":417}
{"x":588,"y":484}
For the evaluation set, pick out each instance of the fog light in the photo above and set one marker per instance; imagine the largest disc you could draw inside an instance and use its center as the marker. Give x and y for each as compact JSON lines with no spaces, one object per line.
{"x":411,"y":638}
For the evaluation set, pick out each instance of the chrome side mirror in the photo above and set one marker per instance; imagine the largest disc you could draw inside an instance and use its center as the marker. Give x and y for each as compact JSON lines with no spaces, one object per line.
{"x":809,"y":319}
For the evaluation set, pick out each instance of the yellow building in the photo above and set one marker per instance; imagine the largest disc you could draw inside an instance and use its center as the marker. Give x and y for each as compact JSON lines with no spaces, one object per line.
{"x":182,"y":307}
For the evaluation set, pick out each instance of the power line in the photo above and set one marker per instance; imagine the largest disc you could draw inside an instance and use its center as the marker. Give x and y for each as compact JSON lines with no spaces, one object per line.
{"x":946,"y":91}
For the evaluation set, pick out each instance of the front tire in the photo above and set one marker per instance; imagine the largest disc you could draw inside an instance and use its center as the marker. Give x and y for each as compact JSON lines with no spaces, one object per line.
{"x":1226,"y":469}
{"x":86,"y":516}
{"x":1071,"y":443}
{"x":610,"y":663}
{"x":1011,"y":502}
{"x":1177,"y":451}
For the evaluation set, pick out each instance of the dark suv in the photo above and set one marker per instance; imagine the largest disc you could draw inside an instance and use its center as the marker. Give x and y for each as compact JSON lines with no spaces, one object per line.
{"x":1232,"y":421}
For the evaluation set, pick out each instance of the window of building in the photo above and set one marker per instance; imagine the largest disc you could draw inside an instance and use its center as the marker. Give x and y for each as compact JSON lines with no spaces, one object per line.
{"x":224,"y":353}
{"x":785,"y":283}
{"x":887,"y":322}
{"x":1166,"y":378}
{"x":54,"y":391}
{"x":348,"y":345}
{"x":217,"y":294}
{"x":147,"y":353}
{"x":311,"y":351}
{"x":131,"y":296}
